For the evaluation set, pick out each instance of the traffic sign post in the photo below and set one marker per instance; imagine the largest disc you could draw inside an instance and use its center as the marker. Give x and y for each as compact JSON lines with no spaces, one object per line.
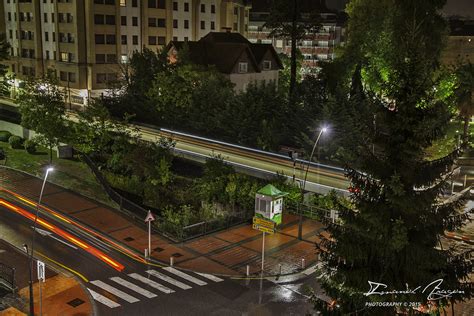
{"x":40,"y":267}
{"x":148,"y":219}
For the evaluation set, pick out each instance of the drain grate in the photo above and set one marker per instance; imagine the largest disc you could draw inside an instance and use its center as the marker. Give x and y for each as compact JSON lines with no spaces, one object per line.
{"x":176,"y":255}
{"x":76,"y":302}
{"x":158,"y":249}
{"x":129,"y":239}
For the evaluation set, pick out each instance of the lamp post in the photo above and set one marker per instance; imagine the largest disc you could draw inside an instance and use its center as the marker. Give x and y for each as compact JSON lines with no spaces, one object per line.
{"x":32,"y":308}
{"x":300,"y":224}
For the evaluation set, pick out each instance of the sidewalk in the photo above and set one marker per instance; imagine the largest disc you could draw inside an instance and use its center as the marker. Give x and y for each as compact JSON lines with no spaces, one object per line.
{"x":227,"y":252}
{"x":61,"y":295}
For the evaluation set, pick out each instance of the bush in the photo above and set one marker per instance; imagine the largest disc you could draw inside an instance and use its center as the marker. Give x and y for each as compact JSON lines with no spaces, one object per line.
{"x":3,"y":156}
{"x":4,"y":136}
{"x":30,"y":146}
{"x":16,"y":142}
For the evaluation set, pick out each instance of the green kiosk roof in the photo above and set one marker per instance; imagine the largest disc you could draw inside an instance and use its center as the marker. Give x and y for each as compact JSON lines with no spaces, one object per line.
{"x":270,"y":190}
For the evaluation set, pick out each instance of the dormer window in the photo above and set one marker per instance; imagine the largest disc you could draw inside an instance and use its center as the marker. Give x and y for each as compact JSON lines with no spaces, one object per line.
{"x":267,"y":65}
{"x":243,"y":67}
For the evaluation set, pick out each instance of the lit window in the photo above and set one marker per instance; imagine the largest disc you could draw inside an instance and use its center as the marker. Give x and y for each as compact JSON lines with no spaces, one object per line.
{"x":243,"y":67}
{"x":267,"y":65}
{"x":123,"y":3}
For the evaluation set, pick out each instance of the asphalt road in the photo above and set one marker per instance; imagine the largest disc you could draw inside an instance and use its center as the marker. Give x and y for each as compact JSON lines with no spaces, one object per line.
{"x":142,"y":289}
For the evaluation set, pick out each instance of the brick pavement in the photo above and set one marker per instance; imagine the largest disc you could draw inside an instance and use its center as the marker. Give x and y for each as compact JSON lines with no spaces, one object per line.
{"x":226,"y":252}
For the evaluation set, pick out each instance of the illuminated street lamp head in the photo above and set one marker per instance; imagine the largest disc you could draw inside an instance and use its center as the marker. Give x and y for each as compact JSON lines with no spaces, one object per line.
{"x":324,"y":129}
{"x":49,"y":169}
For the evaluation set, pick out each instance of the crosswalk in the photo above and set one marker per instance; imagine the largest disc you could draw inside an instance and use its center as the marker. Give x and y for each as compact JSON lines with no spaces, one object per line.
{"x":134,"y":287}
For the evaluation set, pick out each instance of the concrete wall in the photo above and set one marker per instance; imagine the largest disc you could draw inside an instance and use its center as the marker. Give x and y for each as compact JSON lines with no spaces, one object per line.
{"x":16,"y":129}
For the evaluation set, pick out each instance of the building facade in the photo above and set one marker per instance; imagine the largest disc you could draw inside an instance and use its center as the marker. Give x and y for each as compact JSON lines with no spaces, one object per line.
{"x":85,"y":41}
{"x":460,"y":43}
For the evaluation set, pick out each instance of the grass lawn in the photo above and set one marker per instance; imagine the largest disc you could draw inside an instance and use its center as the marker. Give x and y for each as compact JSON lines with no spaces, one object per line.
{"x":447,"y":144}
{"x":69,"y":173}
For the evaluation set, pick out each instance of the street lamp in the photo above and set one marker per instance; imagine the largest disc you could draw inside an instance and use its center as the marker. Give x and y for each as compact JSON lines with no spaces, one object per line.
{"x":32,"y":308}
{"x":300,"y":225}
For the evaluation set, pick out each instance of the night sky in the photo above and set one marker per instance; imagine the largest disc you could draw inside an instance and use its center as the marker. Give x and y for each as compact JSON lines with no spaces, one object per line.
{"x":453,"y":7}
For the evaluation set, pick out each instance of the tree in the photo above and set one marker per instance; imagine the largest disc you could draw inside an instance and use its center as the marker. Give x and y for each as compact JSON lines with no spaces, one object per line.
{"x":465,"y":96}
{"x":286,"y":20}
{"x":4,"y":55}
{"x":42,"y":110}
{"x":388,"y":95}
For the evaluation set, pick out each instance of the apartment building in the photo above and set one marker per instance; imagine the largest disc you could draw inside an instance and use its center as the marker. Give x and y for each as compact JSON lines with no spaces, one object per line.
{"x":316,"y":47}
{"x":85,"y":41}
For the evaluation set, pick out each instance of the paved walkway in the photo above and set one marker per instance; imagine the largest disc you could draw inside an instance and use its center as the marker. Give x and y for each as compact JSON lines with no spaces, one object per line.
{"x":227,"y":252}
{"x":61,"y":295}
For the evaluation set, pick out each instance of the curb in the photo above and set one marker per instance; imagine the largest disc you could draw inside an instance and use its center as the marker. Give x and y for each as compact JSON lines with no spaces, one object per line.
{"x":457,"y":237}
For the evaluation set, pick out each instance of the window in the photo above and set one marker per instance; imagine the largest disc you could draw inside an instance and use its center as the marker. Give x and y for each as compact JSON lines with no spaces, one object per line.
{"x":151,"y":22}
{"x":104,"y":1}
{"x":186,"y":7}
{"x":236,"y":11}
{"x":100,"y":39}
{"x":123,"y":39}
{"x":134,"y":3}
{"x":135,"y":21}
{"x":10,"y":33}
{"x":203,"y":25}
{"x":123,"y":20}
{"x":46,"y":36}
{"x":186,"y":24}
{"x":47,"y":55}
{"x":213,"y":8}
{"x":63,"y":76}
{"x":161,"y":40}
{"x":175,"y":38}
{"x":110,"y":39}
{"x":161,"y":4}
{"x":151,"y":40}
{"x":123,"y":3}
{"x":9,"y":16}
{"x":45,"y":17}
{"x":157,"y":4}
{"x":243,"y":67}
{"x":161,"y":23}
{"x":175,"y":6}
{"x":235,"y":26}
{"x":101,"y":78}
{"x":111,"y":58}
{"x":72,"y":76}
{"x":267,"y":65}
{"x":213,"y":25}
{"x":64,"y":56}
{"x":135,"y":40}
{"x":175,"y":24}
{"x":99,"y":19}
{"x":124,"y":59}
{"x":54,"y":37}
{"x":110,"y":19}
{"x":203,"y":8}
{"x":52,"y":17}
{"x":100,"y":58}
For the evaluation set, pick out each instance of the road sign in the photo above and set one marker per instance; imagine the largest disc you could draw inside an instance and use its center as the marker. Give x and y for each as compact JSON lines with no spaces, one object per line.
{"x":263,"y":229}
{"x":149,"y":217}
{"x":41,"y":270}
{"x":264,"y":222}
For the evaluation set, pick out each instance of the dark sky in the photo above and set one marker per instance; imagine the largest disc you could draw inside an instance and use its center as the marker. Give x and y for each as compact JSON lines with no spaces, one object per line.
{"x":453,"y":7}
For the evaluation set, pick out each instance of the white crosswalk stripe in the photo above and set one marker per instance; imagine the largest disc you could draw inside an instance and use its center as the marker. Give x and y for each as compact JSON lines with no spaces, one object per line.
{"x":102,"y":299}
{"x":133,"y":287}
{"x":168,"y":279}
{"x":185,"y":276}
{"x":210,"y":277}
{"x":151,"y":283}
{"x":115,"y":291}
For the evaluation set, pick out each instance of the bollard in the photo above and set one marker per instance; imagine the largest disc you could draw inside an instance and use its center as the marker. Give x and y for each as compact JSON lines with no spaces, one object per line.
{"x":279,"y":268}
{"x":146,"y":253}
{"x":302,"y":263}
{"x":465,"y":180}
{"x":248,"y":270}
{"x":171,"y":261}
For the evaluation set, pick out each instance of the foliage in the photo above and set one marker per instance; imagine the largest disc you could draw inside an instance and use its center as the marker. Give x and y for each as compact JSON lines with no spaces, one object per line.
{"x":389,"y":114}
{"x":464,"y":91}
{"x":30,"y":146}
{"x":4,"y":136}
{"x":42,"y":110}
{"x":15,"y":142}
{"x":4,"y":55}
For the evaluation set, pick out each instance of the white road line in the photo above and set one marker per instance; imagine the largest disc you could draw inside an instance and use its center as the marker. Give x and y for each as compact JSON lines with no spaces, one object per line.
{"x":185,"y":276}
{"x":166,"y":278}
{"x":311,"y":270}
{"x":115,"y":291}
{"x":210,"y":277}
{"x":151,"y":283}
{"x":104,"y":300}
{"x":133,"y":287}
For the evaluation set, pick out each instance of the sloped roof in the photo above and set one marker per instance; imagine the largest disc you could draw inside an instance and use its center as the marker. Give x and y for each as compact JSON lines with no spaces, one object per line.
{"x":270,"y":190}
{"x":223,"y":49}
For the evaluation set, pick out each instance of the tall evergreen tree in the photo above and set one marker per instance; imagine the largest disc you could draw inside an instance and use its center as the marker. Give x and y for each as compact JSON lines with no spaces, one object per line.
{"x":392,"y":112}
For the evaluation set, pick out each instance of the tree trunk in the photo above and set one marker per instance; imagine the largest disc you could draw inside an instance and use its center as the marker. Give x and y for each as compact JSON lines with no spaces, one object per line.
{"x":50,"y":153}
{"x":293,"y":54}
{"x":465,"y":135}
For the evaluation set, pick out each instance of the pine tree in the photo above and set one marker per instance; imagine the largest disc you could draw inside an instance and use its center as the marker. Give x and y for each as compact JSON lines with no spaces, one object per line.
{"x":392,"y":112}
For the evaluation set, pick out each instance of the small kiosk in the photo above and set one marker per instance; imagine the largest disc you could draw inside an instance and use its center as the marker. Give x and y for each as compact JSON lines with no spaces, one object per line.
{"x":269,"y":204}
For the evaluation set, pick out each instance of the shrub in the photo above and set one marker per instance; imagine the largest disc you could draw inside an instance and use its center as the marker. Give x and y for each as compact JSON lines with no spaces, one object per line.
{"x":4,"y":136}
{"x":15,"y":142}
{"x":30,"y":146}
{"x":3,"y":156}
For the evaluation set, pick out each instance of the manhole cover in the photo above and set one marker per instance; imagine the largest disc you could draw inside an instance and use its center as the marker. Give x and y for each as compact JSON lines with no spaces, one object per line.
{"x":176,"y":255}
{"x":76,"y":302}
{"x":129,"y":239}
{"x":158,"y":249}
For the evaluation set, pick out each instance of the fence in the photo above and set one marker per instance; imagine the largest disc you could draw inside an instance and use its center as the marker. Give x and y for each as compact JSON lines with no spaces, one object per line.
{"x":313,"y":212}
{"x":7,"y":276}
{"x":170,"y":230}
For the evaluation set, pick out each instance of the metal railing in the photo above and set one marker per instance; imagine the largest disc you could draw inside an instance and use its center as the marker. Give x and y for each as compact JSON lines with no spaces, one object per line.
{"x":7,"y":277}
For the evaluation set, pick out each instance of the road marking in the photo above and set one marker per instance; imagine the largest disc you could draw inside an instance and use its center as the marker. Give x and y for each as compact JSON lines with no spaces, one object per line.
{"x":166,"y":278}
{"x":115,"y":292}
{"x":311,"y":270}
{"x":151,"y":283}
{"x":63,"y":266}
{"x":133,"y":287}
{"x":185,"y":276}
{"x":210,"y":277}
{"x":102,"y":299}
